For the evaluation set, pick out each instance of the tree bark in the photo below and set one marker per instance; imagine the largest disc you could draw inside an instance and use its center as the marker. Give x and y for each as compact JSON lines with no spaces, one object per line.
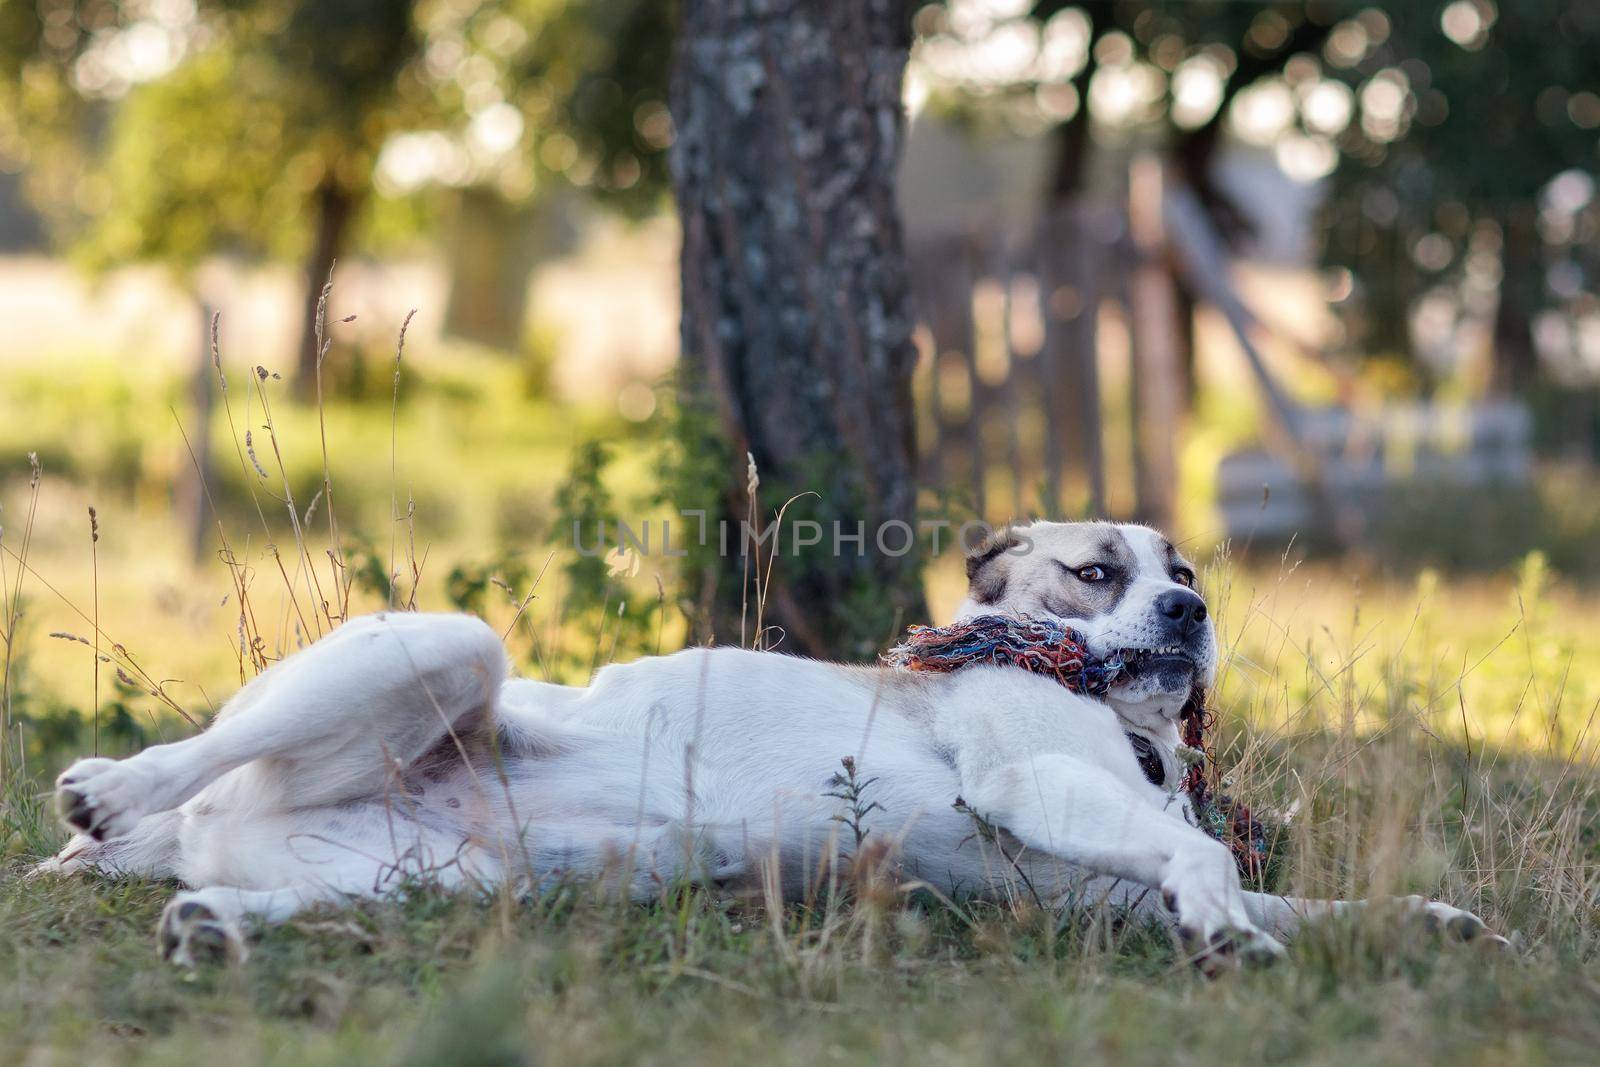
{"x":796,"y":311}
{"x":335,"y":207}
{"x":1516,"y":362}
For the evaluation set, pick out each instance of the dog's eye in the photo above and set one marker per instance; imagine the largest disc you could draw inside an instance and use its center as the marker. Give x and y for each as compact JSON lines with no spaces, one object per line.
{"x":1183,"y":577}
{"x":1092,"y":573}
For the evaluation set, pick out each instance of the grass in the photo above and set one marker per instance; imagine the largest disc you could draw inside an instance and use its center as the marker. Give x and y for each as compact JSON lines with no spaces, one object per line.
{"x":572,"y":978}
{"x":1423,"y":734}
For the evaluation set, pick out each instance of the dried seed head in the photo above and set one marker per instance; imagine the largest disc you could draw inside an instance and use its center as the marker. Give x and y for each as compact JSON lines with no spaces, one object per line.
{"x":250,"y":450}
{"x":94,"y":525}
{"x":752,"y":477}
{"x":311,"y":509}
{"x":400,"y":347}
{"x":65,"y":636}
{"x":261,"y":372}
{"x":216,"y":350}
{"x":36,"y":470}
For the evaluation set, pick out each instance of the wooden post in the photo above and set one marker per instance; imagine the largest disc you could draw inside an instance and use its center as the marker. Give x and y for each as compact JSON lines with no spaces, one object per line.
{"x":1157,"y":365}
{"x":945,"y":272}
{"x":966,"y":434}
{"x":1007,"y":397}
{"x":1071,"y":253}
{"x":1091,"y":251}
{"x":923,"y":277}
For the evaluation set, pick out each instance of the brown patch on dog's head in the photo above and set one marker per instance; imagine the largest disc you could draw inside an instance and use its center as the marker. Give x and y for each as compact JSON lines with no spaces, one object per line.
{"x":986,"y":566}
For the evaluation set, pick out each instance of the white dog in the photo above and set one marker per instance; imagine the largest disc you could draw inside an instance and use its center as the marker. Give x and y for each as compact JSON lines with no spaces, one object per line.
{"x":398,"y":748}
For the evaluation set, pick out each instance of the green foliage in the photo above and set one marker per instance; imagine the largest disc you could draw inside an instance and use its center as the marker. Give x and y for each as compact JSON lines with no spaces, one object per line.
{"x":851,"y":789}
{"x":204,"y":160}
{"x":584,"y":513}
{"x":593,"y":80}
{"x":601,"y":595}
{"x":273,"y":99}
{"x":1483,"y":531}
{"x":691,"y":475}
{"x":1460,"y":112}
{"x":1484,"y":124}
{"x":470,"y":586}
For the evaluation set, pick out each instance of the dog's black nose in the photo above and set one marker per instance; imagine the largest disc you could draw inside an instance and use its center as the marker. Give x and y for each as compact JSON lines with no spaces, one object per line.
{"x":1184,"y":607}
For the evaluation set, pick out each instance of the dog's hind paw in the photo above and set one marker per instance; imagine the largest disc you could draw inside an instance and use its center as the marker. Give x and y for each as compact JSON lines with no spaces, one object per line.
{"x":191,"y":934}
{"x":102,"y":797}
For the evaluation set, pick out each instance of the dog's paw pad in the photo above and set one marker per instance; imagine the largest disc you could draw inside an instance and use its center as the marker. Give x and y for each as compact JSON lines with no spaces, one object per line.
{"x":77,"y":811}
{"x":101,"y":797}
{"x":192,"y":935}
{"x":1458,"y":925}
{"x":1226,"y":948}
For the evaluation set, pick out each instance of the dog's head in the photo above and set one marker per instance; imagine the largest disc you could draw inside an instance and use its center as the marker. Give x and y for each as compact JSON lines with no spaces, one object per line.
{"x":1123,"y":587}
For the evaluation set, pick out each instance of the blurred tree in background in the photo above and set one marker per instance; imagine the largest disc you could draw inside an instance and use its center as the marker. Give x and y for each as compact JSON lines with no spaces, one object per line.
{"x":169,"y":131}
{"x":1106,"y":78}
{"x":1465,"y":178}
{"x":1438,"y":129}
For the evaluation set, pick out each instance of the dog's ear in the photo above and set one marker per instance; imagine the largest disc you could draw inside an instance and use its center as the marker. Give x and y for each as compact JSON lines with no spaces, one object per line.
{"x":986,"y":578}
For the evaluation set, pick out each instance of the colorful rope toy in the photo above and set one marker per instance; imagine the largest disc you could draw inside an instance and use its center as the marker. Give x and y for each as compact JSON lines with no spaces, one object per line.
{"x":1057,"y":651}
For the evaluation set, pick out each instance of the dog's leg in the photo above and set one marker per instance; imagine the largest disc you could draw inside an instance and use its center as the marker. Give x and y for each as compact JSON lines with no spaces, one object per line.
{"x":149,"y":850}
{"x":328,"y":724}
{"x":1088,"y":817}
{"x":1284,"y":916}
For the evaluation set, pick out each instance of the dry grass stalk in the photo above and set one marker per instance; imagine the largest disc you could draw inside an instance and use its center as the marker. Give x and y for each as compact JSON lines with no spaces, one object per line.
{"x":11,"y":609}
{"x":94,"y":664}
{"x":339,"y":577}
{"x":394,"y":425}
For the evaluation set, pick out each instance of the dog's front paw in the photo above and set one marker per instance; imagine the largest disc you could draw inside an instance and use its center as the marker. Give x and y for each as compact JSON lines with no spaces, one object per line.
{"x":103,"y":797}
{"x":1214,"y":950}
{"x":1452,"y":922}
{"x":191,"y":933}
{"x":1202,"y":891}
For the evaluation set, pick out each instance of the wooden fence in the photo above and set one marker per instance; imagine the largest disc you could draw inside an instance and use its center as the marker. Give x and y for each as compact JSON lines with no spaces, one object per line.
{"x":1012,"y":409}
{"x":1008,"y":386}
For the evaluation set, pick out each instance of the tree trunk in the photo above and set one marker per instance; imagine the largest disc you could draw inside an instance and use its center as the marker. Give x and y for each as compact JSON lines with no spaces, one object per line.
{"x":1157,"y":362}
{"x":335,"y":207}
{"x":1072,"y":140}
{"x":1516,"y":362}
{"x":796,"y":312}
{"x":1184,"y":306}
